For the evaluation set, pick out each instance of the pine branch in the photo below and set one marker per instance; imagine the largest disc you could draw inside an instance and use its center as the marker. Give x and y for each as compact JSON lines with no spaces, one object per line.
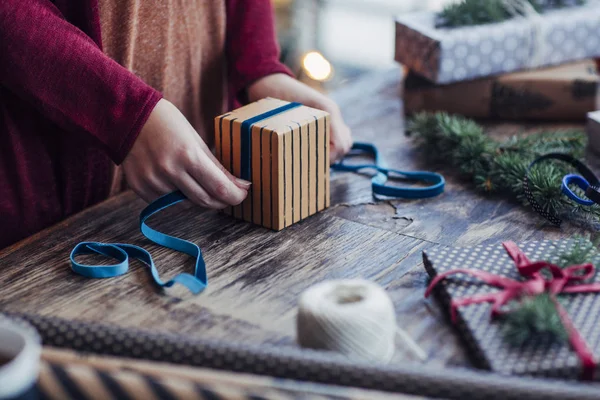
{"x":499,"y":167}
{"x":583,"y":251}
{"x":533,"y":318}
{"x":478,"y":12}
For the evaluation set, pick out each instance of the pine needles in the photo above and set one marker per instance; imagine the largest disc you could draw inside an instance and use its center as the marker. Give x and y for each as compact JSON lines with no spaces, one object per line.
{"x":477,"y":12}
{"x":582,"y":251}
{"x":535,"y":317}
{"x":499,"y":167}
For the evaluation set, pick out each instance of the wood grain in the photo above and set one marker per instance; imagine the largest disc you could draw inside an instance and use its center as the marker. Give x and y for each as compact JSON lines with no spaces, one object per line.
{"x":282,"y":149}
{"x":256,"y":275}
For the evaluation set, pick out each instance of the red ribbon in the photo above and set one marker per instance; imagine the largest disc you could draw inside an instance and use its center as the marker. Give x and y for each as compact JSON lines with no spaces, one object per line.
{"x":563,"y":280}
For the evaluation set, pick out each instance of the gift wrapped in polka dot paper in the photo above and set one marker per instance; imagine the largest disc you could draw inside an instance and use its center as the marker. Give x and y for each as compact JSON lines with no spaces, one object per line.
{"x":489,"y":272}
{"x":445,"y":55}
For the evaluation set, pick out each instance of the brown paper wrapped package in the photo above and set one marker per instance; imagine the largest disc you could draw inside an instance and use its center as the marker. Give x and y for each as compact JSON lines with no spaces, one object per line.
{"x":567,"y":92}
{"x":593,"y":131}
{"x":289,"y":158}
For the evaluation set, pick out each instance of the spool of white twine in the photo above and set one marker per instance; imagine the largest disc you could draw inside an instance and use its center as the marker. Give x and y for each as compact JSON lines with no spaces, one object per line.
{"x":354,"y":317}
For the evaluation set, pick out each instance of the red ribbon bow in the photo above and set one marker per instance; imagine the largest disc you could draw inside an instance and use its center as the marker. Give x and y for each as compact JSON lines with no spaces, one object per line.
{"x":563,"y":280}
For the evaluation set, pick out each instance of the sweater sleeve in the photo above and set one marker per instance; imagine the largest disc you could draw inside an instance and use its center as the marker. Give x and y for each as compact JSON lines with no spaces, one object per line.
{"x":65,"y":75}
{"x":252,"y":48}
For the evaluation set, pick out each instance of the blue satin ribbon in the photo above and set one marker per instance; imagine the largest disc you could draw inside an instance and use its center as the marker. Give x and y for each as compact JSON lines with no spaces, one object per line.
{"x":197,"y":282}
{"x":246,"y":136}
{"x":122,"y":252}
{"x":581,"y":182}
{"x":379,"y":182}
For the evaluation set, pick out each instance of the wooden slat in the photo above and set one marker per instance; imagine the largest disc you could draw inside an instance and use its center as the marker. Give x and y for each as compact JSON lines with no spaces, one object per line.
{"x":276,"y":170}
{"x":236,"y":162}
{"x":312,"y":168}
{"x":295,"y":182}
{"x":226,"y":153}
{"x":253,"y":210}
{"x":327,"y":128}
{"x":305,"y":177}
{"x":322,"y":163}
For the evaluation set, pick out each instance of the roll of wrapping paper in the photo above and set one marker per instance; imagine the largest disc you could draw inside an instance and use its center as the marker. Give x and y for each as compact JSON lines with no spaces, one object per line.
{"x":566,"y":92}
{"x":69,"y":375}
{"x":66,"y":374}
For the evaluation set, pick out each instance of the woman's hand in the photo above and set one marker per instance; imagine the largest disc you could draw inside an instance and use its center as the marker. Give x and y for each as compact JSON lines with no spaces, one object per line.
{"x":284,"y":87}
{"x":169,"y":154}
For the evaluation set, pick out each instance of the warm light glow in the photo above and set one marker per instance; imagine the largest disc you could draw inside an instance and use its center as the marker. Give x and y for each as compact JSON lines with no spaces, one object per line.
{"x":316,"y":66}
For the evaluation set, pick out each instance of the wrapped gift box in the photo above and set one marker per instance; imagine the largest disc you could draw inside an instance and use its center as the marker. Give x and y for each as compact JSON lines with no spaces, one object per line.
{"x":484,"y":336}
{"x":565,"y":92}
{"x":445,"y":55}
{"x":283,"y":149}
{"x":593,"y":131}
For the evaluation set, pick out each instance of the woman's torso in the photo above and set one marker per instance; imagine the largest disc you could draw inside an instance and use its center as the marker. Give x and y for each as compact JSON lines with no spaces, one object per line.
{"x":177,"y":47}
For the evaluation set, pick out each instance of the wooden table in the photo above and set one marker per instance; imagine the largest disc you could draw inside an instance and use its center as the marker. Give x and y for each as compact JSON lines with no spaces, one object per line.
{"x":256,"y":275}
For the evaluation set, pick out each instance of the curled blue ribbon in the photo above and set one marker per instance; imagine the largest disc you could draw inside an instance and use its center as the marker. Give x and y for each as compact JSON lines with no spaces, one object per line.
{"x":197,"y":282}
{"x":581,"y":182}
{"x":122,"y":252}
{"x":379,"y":181}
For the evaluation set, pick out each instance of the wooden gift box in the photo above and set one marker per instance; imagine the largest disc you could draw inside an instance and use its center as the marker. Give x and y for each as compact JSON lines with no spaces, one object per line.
{"x":283,"y":149}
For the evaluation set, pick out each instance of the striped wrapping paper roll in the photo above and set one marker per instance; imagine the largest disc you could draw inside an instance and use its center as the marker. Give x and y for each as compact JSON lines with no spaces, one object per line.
{"x":67,"y":375}
{"x":285,"y":155}
{"x":77,"y":382}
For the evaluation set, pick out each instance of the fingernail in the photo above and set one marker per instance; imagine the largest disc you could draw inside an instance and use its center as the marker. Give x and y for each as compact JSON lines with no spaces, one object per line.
{"x":243,"y":183}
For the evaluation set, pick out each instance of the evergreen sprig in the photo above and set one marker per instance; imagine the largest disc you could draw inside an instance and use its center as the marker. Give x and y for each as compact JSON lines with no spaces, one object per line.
{"x":534,"y":318}
{"x":499,"y":167}
{"x":537,"y":316}
{"x":582,"y":251}
{"x":477,"y":12}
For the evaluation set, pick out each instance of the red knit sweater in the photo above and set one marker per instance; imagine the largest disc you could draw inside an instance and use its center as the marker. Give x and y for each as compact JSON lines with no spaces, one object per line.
{"x":67,"y":110}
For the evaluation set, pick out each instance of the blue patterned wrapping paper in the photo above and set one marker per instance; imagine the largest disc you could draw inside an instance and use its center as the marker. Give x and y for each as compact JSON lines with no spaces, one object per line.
{"x":483,"y":336}
{"x":448,"y":55}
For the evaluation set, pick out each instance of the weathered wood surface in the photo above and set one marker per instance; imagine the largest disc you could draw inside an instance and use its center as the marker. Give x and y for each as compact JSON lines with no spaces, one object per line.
{"x":256,"y":275}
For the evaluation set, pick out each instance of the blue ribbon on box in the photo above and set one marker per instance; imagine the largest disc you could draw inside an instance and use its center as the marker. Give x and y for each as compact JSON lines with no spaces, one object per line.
{"x":246,"y":132}
{"x":197,"y":282}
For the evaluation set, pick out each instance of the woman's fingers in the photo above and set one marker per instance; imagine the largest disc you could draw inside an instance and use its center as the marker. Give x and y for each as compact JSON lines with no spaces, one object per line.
{"x":146,"y":192}
{"x":238,"y":182}
{"x":196,"y":193}
{"x":160,"y":184}
{"x":216,"y":182}
{"x":341,"y":139}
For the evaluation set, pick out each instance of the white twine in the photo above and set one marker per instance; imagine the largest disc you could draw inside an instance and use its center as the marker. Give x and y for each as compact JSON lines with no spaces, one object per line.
{"x":354,"y":317}
{"x":536,"y":37}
